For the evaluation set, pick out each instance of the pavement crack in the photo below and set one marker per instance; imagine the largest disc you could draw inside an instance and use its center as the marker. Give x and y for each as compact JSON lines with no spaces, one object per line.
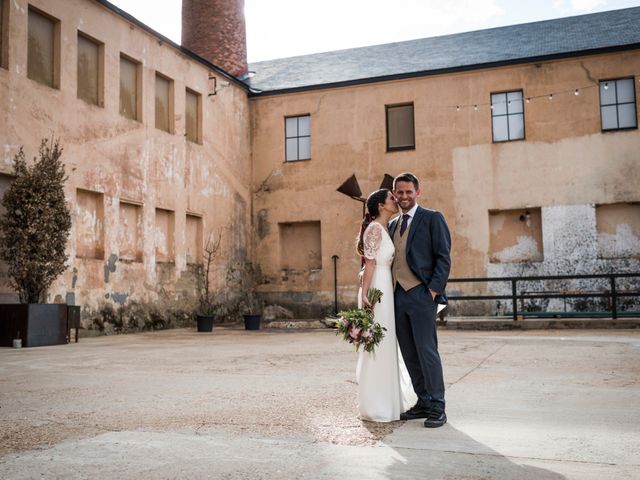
{"x":478,"y":365}
{"x":517,"y":457}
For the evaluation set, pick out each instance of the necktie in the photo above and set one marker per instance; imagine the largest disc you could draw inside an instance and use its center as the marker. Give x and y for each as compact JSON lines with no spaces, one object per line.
{"x":403,"y":225}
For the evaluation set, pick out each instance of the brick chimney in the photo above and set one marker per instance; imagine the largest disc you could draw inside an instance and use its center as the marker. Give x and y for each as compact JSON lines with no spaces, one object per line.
{"x":215,"y":30}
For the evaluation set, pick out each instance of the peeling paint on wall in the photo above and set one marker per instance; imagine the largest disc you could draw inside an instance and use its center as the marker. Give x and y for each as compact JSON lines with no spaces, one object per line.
{"x":624,"y":243}
{"x":571,"y":246}
{"x":526,"y":249}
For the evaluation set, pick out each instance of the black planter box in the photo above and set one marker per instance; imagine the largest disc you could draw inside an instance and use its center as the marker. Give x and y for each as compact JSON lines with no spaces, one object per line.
{"x":38,"y":324}
{"x":252,"y":322}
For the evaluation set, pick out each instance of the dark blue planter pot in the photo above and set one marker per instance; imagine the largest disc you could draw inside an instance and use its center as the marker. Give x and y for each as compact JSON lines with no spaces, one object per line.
{"x":205,"y":323}
{"x":252,"y":322}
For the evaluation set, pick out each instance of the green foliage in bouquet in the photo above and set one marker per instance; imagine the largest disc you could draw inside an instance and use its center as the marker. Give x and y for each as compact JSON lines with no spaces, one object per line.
{"x":358,"y":327}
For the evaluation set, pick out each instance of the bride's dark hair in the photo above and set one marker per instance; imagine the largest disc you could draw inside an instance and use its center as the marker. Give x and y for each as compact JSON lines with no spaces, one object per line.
{"x":373,"y":212}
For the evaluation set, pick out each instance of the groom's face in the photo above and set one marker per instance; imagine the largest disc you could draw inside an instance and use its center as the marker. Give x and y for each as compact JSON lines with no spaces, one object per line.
{"x":406,"y":195}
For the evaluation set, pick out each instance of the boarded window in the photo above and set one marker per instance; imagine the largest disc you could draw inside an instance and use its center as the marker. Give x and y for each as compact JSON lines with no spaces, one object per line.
{"x":130,"y":236}
{"x":164,"y":103}
{"x":164,"y":235}
{"x":89,"y":70}
{"x":515,"y":236}
{"x":129,"y":91}
{"x":300,"y":246}
{"x":400,"y":128}
{"x":297,"y":132}
{"x":192,"y":117}
{"x":194,"y":239}
{"x":618,"y":227}
{"x":89,"y":224}
{"x":42,"y":49}
{"x":4,"y":5}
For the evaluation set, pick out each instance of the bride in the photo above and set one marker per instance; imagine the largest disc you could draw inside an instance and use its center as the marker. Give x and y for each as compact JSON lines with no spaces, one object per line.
{"x":384,"y":387}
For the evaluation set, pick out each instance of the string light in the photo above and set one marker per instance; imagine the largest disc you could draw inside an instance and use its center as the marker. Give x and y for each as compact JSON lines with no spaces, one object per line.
{"x":529,"y":99}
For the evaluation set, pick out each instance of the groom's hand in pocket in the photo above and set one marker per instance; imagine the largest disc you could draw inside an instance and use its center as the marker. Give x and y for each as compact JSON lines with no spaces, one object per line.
{"x":433,"y":294}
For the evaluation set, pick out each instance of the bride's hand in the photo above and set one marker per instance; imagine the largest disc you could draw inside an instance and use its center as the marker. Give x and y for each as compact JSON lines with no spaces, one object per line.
{"x":365,"y":301}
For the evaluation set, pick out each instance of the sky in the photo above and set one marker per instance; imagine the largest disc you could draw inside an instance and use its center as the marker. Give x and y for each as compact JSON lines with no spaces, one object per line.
{"x":286,"y":28}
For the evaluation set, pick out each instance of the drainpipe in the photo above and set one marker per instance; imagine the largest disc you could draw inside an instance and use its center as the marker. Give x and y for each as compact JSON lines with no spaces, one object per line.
{"x":335,"y":284}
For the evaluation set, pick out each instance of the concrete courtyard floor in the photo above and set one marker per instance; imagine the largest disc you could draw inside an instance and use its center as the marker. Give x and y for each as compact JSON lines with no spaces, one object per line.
{"x":272,"y":404}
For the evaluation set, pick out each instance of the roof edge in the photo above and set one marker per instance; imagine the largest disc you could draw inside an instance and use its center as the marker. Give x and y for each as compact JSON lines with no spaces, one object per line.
{"x":255,"y":92}
{"x":194,"y":56}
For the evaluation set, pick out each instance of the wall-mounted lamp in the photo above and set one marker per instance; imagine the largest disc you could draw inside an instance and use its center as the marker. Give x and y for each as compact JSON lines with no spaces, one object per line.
{"x":215,"y":85}
{"x":526,"y":218}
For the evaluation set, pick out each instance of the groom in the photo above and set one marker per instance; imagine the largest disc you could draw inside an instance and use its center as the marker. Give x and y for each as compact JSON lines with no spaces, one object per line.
{"x":420,"y":272}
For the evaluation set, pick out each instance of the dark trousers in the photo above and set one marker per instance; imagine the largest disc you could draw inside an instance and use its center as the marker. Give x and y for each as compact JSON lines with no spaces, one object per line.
{"x":418,"y":339}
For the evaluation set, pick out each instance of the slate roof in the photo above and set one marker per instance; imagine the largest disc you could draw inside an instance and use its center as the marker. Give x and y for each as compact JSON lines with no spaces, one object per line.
{"x":564,"y":37}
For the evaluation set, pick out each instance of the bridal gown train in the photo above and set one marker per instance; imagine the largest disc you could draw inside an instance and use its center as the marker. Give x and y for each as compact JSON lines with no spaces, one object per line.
{"x":384,"y":386}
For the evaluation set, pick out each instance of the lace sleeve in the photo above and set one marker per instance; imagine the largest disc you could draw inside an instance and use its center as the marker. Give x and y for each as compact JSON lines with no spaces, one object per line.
{"x":371,"y":240}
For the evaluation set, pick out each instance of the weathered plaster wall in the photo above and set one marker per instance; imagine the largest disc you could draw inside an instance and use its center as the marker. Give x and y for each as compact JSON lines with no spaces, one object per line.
{"x":122,"y":160}
{"x":564,"y":160}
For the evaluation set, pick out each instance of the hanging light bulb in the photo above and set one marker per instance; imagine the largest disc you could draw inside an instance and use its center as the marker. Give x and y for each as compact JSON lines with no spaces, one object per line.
{"x":491,"y":107}
{"x":551,"y":96}
{"x":475,"y":107}
{"x":528,"y":99}
{"x":606,"y":85}
{"x":577,"y":92}
{"x":457,"y":108}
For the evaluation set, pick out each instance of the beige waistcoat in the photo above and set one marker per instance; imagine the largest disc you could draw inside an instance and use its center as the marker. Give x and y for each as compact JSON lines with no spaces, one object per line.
{"x":400,"y":270}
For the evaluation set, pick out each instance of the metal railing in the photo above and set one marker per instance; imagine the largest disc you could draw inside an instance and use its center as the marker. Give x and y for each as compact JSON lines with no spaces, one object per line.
{"x":612,"y":293}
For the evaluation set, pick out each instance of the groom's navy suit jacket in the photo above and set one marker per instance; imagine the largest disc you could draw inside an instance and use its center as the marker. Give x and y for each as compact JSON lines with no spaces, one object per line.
{"x":428,"y":249}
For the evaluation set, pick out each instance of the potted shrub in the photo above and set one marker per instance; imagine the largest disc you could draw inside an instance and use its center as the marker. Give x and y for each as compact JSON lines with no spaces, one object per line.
{"x":251,"y":305}
{"x":207,"y":306}
{"x":253,"y":315}
{"x":33,"y":236}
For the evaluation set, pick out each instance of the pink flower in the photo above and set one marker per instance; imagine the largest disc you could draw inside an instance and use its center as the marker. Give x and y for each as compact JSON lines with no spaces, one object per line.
{"x":354,"y":332}
{"x":366,"y":334}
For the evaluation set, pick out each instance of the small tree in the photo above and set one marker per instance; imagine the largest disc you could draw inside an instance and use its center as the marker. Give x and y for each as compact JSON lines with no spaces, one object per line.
{"x":36,"y":224}
{"x":206,"y":300}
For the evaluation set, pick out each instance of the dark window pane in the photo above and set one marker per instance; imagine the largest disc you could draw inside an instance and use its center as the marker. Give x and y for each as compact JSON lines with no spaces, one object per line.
{"x":191,"y":114}
{"x":400,"y":125}
{"x":128,"y":88}
{"x":163,"y":113}
{"x":88,"y":74}
{"x":40,"y":49}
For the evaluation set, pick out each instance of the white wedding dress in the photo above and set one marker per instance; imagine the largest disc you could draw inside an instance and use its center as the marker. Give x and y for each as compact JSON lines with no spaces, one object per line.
{"x":384,"y":386}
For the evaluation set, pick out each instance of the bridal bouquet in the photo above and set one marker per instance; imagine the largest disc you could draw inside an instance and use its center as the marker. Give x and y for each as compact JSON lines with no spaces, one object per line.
{"x":357,"y":326}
